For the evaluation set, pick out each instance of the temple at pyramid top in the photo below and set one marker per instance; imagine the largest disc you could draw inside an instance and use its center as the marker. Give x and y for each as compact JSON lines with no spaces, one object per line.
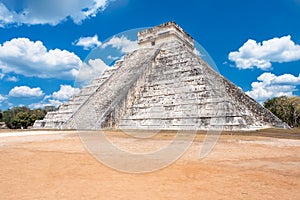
{"x":166,"y":32}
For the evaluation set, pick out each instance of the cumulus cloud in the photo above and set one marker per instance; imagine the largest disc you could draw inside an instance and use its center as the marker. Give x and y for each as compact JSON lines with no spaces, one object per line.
{"x":110,"y":57}
{"x":269,"y":85}
{"x":12,"y":79}
{"x":32,"y":59}
{"x":52,"y":12}
{"x":8,"y":78}
{"x":65,"y":92}
{"x":2,"y":98}
{"x":25,"y":91}
{"x":90,"y":70}
{"x":195,"y":51}
{"x":54,"y":102}
{"x":57,"y":98}
{"x":51,"y":102}
{"x":121,"y":43}
{"x":261,"y":55}
{"x":88,"y":42}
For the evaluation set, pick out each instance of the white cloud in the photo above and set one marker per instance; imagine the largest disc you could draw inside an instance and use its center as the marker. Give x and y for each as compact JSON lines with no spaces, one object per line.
{"x":56,"y":98}
{"x":52,"y":12}
{"x":90,"y":70}
{"x":121,"y":43}
{"x":65,"y":92}
{"x":195,"y":51}
{"x":8,"y":78}
{"x":54,"y":102}
{"x":32,"y":59}
{"x":270,"y":86}
{"x":88,"y":42}
{"x":12,"y":79}
{"x":110,"y":57}
{"x":2,"y":98}
{"x":261,"y":55}
{"x":25,"y":91}
{"x":51,"y":102}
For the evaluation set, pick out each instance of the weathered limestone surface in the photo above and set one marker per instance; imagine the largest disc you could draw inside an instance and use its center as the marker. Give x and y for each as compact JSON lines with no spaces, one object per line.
{"x":57,"y":119}
{"x":96,"y":110}
{"x":183,"y":93}
{"x":162,"y":85}
{"x":165,"y":33}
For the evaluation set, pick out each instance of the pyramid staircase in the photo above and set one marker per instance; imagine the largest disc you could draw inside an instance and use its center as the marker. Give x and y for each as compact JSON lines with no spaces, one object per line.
{"x":162,"y":85}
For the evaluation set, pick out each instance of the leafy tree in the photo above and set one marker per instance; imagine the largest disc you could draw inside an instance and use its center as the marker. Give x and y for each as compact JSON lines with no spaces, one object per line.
{"x":7,"y":117}
{"x":285,"y":108}
{"x":22,"y":117}
{"x":295,"y":112}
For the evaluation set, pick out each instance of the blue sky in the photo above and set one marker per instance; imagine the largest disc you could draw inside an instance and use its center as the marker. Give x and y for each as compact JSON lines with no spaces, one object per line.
{"x":43,"y":44}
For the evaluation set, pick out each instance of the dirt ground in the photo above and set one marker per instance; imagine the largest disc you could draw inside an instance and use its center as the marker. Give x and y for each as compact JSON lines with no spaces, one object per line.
{"x":55,"y":165}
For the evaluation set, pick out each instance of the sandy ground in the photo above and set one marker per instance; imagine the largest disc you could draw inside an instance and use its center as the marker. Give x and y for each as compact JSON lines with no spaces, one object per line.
{"x":55,"y":165}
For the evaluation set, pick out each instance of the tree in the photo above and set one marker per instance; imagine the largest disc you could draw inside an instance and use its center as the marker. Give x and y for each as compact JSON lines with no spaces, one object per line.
{"x":285,"y":108}
{"x":22,"y":117}
{"x":21,"y":120}
{"x":7,"y":117}
{"x":295,"y":103}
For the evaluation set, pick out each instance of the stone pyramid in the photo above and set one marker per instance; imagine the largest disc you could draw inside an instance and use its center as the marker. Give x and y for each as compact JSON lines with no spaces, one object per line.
{"x":163,"y":85}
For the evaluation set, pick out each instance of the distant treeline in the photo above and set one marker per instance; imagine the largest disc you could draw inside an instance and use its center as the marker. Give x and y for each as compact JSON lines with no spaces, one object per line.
{"x":285,"y":108}
{"x":23,"y":117}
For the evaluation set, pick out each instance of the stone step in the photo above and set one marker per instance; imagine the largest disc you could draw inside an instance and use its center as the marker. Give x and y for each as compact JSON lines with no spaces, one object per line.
{"x":182,"y":122}
{"x":55,"y":120}
{"x":168,"y":88}
{"x":109,"y":94}
{"x":189,"y":97}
